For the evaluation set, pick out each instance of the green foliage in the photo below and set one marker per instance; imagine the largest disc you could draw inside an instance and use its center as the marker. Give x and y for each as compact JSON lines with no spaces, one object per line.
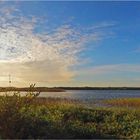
{"x":42,"y":118}
{"x":12,"y":115}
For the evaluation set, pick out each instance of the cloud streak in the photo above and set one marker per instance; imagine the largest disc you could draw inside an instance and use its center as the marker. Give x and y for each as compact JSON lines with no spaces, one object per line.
{"x":110,"y":75}
{"x":105,"y":69}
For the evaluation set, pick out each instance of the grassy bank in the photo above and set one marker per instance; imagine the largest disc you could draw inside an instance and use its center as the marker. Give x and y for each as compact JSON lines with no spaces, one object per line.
{"x":33,"y":117}
{"x":124,"y":102}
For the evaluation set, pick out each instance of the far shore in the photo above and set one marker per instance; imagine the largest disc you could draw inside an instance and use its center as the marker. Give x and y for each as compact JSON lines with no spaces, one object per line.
{"x":28,"y":89}
{"x":62,"y":89}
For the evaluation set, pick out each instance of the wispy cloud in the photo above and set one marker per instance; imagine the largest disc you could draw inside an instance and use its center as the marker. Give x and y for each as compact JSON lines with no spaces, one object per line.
{"x":110,"y":75}
{"x":105,"y":69}
{"x":104,"y":25}
{"x":137,"y":50}
{"x":39,"y":56}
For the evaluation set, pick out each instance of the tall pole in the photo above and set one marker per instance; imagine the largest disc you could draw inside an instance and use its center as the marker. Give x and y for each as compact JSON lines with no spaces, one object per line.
{"x":10,"y":80}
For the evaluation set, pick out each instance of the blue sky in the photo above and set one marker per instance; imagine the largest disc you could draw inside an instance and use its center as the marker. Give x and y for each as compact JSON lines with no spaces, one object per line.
{"x":125,"y":16}
{"x":83,"y":43}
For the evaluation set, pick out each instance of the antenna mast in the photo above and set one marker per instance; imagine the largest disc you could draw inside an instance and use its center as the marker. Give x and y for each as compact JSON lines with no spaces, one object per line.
{"x":10,"y":80}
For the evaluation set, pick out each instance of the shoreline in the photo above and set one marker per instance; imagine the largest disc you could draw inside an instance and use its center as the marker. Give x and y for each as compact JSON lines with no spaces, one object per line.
{"x":28,"y":89}
{"x":62,"y":89}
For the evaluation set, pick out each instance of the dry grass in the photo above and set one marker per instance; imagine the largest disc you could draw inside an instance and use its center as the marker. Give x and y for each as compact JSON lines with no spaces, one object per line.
{"x":57,"y":101}
{"x":124,"y":102}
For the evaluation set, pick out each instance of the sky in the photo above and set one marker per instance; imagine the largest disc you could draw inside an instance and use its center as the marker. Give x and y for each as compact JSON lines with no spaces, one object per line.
{"x":70,"y":43}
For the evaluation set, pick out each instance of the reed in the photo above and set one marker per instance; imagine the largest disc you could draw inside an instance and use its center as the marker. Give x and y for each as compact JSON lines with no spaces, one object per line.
{"x":124,"y":102}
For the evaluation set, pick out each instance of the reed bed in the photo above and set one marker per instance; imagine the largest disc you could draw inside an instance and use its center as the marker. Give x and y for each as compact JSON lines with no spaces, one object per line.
{"x":124,"y":102}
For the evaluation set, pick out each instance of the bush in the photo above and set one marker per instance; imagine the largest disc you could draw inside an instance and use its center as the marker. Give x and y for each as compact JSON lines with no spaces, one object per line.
{"x":12,"y":118}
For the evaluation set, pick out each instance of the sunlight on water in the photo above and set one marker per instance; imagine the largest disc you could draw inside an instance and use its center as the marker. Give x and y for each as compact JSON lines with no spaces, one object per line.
{"x":88,"y":94}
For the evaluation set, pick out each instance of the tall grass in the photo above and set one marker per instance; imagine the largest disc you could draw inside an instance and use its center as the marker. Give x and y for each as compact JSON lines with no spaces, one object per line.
{"x":124,"y":102}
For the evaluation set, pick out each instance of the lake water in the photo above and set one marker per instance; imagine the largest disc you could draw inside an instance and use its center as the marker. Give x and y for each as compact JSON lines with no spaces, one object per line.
{"x":90,"y":95}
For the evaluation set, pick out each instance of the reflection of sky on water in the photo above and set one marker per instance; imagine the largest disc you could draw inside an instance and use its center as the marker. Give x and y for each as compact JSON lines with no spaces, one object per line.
{"x":93,"y":94}
{"x":89,"y":94}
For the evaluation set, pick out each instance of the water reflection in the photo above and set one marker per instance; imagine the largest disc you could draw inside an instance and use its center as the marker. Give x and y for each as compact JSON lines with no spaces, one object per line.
{"x":88,"y":94}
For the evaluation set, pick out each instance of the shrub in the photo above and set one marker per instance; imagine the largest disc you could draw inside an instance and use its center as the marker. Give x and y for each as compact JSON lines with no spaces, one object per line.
{"x":12,"y":119}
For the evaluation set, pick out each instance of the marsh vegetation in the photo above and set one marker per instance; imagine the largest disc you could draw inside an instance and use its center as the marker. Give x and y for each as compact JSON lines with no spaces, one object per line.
{"x":29,"y":116}
{"x":133,"y":103}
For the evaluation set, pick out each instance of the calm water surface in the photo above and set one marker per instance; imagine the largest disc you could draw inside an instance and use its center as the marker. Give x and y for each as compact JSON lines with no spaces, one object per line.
{"x":91,"y":94}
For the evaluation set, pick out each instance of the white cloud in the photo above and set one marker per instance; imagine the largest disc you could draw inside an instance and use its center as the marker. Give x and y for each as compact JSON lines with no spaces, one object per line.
{"x":39,"y":56}
{"x":104,"y":25}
